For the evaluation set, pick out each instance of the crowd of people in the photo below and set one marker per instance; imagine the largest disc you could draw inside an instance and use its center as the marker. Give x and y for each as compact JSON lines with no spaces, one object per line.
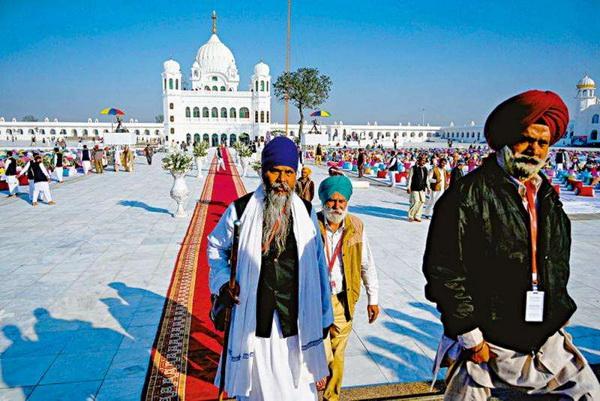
{"x":42,"y":167}
{"x":496,"y":265}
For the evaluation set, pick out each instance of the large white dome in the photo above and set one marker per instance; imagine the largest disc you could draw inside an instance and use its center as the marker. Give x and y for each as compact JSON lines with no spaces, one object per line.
{"x":586,"y":83}
{"x":215,"y":57}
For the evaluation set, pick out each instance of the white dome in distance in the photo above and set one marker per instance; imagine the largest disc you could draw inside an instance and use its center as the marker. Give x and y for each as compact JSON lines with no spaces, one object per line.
{"x":261,"y":69}
{"x":214,"y":56}
{"x":586,"y":83}
{"x":171,"y":66}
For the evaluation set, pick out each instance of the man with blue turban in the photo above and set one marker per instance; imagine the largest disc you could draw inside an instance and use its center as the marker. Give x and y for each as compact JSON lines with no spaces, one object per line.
{"x":349,"y":261}
{"x":282,"y":297}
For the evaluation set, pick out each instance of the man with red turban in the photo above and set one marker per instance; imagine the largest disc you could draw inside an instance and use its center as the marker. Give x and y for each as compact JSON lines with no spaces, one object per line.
{"x":497,"y":265}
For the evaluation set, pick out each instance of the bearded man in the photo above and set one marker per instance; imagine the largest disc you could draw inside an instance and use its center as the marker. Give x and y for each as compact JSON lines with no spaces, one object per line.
{"x":350,"y":261}
{"x":497,"y":265}
{"x":283,"y":310}
{"x":305,"y":187}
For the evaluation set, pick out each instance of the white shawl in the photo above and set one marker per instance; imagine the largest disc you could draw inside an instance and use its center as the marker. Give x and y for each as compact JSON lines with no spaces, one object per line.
{"x":314,"y":309}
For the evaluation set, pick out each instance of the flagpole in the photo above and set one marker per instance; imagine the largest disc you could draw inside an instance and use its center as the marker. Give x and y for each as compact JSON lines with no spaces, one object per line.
{"x":287,"y":62}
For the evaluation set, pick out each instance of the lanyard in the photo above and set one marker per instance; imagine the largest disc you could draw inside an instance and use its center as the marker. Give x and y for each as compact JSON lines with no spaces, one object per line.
{"x":331,"y":259}
{"x":531,"y":208}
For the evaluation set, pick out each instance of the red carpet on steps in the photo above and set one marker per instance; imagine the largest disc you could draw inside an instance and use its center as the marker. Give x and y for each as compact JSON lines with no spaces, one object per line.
{"x":186,"y":350}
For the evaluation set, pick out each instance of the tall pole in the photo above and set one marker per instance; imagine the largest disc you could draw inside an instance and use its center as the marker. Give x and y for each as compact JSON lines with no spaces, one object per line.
{"x":287,"y":61}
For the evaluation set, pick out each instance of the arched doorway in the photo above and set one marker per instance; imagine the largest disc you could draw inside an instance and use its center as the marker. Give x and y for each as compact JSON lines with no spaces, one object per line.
{"x":215,"y":140}
{"x":188,"y":138}
{"x":196,"y":138}
{"x":232,"y":139}
{"x":245,"y":138}
{"x":224,"y":139}
{"x":206,"y":138}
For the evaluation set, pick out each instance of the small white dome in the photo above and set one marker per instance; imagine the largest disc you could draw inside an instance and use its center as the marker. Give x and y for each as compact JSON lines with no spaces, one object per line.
{"x":215,"y":57}
{"x":261,"y":69}
{"x":586,"y":83}
{"x":171,"y":66}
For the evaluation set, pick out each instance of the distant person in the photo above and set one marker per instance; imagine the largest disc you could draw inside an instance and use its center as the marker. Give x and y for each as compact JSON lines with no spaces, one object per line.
{"x":220,"y":161}
{"x":127,"y":159}
{"x":40,"y":177}
{"x":416,"y":187}
{"x":318,"y":155}
{"x":360,"y":162}
{"x":116,"y":158}
{"x":149,"y":152}
{"x":457,"y":173}
{"x":10,"y":167}
{"x":57,"y":162}
{"x":86,"y":160}
{"x":392,"y":167}
{"x":305,"y":187}
{"x":438,"y":183}
{"x":99,"y":160}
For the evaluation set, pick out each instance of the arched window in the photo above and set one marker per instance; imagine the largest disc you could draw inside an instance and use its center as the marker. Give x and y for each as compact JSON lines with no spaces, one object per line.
{"x":52,"y":131}
{"x":171,"y":106}
{"x":256,"y":115}
{"x":96,"y":133}
{"x":223,"y":89}
{"x":196,"y":112}
{"x":170,"y":83}
{"x":85,"y":132}
{"x":188,"y":138}
{"x":224,"y":138}
{"x":267,"y":86}
{"x":595,"y":118}
{"x":74,"y":132}
{"x":188,"y":113}
{"x":594,"y":135}
{"x":176,"y":84}
{"x":256,"y":85}
{"x":420,"y":134}
{"x":214,"y":88}
{"x":137,"y":131}
{"x":244,"y":112}
{"x":232,"y":139}
{"x":262,"y":116}
{"x":232,"y":113}
{"x":370,"y":135}
{"x":196,"y":138}
{"x":268,"y":117}
{"x":146,"y":132}
{"x":207,"y":88}
{"x":205,"y":112}
{"x":223,"y":112}
{"x":214,"y":112}
{"x":404,"y":135}
{"x":206,"y":138}
{"x":172,"y":119}
{"x":262,"y":86}
{"x":165,"y":84}
{"x":412,"y":134}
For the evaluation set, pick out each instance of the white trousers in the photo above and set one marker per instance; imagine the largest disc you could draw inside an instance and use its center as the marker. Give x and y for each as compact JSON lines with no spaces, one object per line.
{"x":433,"y":198}
{"x":13,"y":184}
{"x":86,"y":166}
{"x":221,"y":165}
{"x":44,"y":189}
{"x":58,"y":173}
{"x":272,"y":378}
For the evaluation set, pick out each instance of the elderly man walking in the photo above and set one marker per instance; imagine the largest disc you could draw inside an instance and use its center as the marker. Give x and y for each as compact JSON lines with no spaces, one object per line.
{"x":305,"y":187}
{"x":416,"y":187}
{"x":497,"y":265}
{"x":10,"y":166}
{"x":283,"y":310}
{"x":438,"y":183}
{"x":350,"y":261}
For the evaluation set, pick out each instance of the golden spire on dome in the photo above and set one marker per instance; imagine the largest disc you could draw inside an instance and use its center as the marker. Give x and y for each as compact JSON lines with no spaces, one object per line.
{"x":214,"y":21}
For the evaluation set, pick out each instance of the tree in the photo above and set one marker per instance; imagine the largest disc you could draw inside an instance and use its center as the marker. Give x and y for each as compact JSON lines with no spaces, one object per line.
{"x":29,"y":118}
{"x":159,"y":118}
{"x":306,"y":88}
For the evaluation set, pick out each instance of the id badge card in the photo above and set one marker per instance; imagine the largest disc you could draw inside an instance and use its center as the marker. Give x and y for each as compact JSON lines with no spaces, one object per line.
{"x":534,"y":306}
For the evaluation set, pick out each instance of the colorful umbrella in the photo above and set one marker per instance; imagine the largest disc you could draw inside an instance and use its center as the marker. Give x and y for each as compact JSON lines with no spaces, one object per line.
{"x":320,"y":113}
{"x":112,"y":112}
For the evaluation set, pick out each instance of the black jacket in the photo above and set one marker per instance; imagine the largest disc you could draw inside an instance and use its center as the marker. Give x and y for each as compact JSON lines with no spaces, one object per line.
{"x":477,"y":261}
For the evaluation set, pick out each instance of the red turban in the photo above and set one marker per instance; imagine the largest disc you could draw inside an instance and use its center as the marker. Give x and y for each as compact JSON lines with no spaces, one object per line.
{"x":511,"y":117}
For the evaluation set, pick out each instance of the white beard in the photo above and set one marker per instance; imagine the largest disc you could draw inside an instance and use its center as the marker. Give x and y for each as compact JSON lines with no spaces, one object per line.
{"x":334,"y":216}
{"x":277,"y":207}
{"x":520,"y":166}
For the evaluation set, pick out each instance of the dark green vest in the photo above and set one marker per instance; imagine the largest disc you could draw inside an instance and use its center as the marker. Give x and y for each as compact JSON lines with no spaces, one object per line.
{"x":278,"y":290}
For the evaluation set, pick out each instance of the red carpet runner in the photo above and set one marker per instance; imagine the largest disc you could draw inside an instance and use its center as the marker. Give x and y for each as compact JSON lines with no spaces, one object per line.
{"x":186,"y":350}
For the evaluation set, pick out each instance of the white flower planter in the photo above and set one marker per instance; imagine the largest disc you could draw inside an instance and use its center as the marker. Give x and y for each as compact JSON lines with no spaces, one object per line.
{"x":199,"y":163}
{"x":179,"y":193}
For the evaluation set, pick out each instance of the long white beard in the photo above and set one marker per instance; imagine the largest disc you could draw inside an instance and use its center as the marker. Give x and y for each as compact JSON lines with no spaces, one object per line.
{"x":334,"y":216}
{"x":277,"y":207}
{"x":520,"y":166}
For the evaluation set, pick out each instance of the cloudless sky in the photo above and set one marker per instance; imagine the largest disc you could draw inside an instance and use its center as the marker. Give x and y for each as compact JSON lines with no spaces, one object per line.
{"x":388,"y":59}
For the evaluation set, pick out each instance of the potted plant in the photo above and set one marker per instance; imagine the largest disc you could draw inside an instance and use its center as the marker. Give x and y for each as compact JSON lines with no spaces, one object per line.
{"x":200,"y":151}
{"x":256,"y":166}
{"x":178,"y":164}
{"x":245,"y":153}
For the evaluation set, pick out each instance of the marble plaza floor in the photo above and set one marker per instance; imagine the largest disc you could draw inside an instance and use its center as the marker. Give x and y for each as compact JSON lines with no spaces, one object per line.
{"x":84,"y":284}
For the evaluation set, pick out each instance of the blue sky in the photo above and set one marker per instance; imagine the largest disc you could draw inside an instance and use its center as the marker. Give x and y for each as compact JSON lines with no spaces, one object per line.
{"x":388,"y":59}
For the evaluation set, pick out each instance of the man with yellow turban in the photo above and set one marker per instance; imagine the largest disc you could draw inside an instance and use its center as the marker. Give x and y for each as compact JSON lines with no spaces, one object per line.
{"x":350,"y":261}
{"x":497,"y":265}
{"x":305,"y":187}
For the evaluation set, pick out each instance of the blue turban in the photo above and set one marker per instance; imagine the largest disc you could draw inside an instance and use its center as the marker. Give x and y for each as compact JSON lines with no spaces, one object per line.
{"x":336,"y":183}
{"x":280,"y":151}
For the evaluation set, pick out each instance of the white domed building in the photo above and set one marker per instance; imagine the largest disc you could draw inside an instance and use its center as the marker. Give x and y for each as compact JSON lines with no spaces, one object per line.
{"x":584,"y":126}
{"x":212,"y":108}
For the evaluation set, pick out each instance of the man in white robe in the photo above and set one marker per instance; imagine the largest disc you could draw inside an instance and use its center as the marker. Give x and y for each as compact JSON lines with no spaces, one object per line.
{"x":275,"y":350}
